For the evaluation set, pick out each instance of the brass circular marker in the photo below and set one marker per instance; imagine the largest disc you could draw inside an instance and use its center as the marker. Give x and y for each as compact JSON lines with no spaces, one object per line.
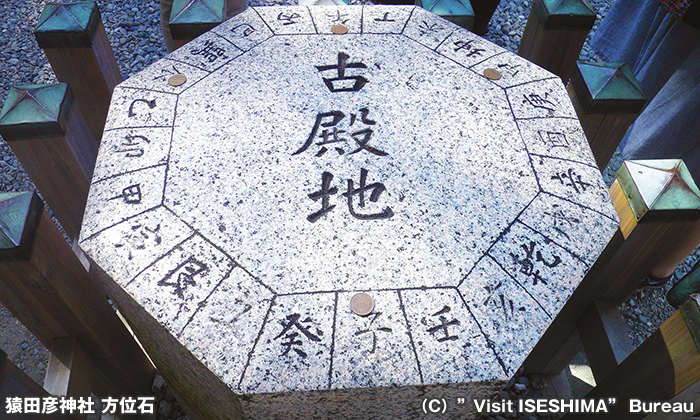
{"x":339,"y":29}
{"x":362,"y":304}
{"x":177,"y":80}
{"x":492,"y":74}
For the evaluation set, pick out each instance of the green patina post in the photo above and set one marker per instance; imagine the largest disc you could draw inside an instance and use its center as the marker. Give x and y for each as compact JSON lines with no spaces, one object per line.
{"x":555,"y":33}
{"x":191,"y":18}
{"x":75,"y":42}
{"x":35,"y":111}
{"x":607,"y":99}
{"x":68,"y":25}
{"x":456,"y":11}
{"x":51,"y":139}
{"x":20,"y":213}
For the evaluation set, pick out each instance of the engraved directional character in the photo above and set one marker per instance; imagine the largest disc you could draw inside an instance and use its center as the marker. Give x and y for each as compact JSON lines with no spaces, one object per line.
{"x":151,"y":104}
{"x":288,"y":18}
{"x":130,"y":194}
{"x":498,"y":298}
{"x":147,"y":232}
{"x":443,"y":326}
{"x":571,"y":179}
{"x":341,"y":18}
{"x":562,"y":222}
{"x":243,"y":30}
{"x":141,"y":236}
{"x":293,"y":338}
{"x":373,"y":329}
{"x":132,"y":146}
{"x":554,"y":139}
{"x":385,"y":18}
{"x":468,"y":47}
{"x":166,"y":73}
{"x":376,"y":188}
{"x":210,"y":51}
{"x":184,"y":276}
{"x":527,"y":264}
{"x":336,"y":84}
{"x":427,"y":28}
{"x":507,"y":68}
{"x":538,"y":101}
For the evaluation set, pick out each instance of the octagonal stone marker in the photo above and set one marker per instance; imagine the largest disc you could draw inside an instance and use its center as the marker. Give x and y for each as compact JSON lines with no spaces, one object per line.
{"x":295,"y":168}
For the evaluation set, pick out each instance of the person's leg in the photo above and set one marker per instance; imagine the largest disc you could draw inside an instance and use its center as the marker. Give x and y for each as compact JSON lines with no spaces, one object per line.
{"x":668,"y":129}
{"x":165,"y":7}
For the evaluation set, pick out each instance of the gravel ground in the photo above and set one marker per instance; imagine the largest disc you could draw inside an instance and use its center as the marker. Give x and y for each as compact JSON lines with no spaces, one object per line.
{"x":134,"y":32}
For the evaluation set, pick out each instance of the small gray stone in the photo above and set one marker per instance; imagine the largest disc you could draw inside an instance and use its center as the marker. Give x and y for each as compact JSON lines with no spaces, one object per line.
{"x":158,"y":384}
{"x":166,"y":408}
{"x":24,"y":345}
{"x":523,"y":380}
{"x":169,"y":395}
{"x":536,"y":395}
{"x":519,"y":387}
{"x":537,"y":381}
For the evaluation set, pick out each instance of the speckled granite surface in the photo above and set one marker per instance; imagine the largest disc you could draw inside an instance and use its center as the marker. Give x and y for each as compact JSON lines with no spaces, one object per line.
{"x":296,"y":167}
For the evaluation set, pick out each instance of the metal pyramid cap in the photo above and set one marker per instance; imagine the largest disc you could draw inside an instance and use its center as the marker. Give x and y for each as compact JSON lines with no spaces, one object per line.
{"x":35,"y":111}
{"x":565,"y":14}
{"x":611,"y":81}
{"x":660,"y":189}
{"x":19,"y":218}
{"x":569,"y":7}
{"x":449,"y":7}
{"x":66,"y":25}
{"x":197,"y":11}
{"x":65,"y":17}
{"x":607,"y":88}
